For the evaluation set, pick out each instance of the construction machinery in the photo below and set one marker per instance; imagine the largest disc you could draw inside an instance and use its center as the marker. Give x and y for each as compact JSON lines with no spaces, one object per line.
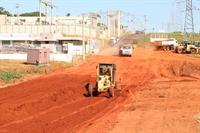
{"x":105,"y":80}
{"x":126,"y":50}
{"x":188,"y":47}
{"x":166,"y":45}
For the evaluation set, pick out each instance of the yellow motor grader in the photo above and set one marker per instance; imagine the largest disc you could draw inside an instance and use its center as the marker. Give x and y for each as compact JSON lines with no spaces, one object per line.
{"x":105,"y":80}
{"x":188,"y":47}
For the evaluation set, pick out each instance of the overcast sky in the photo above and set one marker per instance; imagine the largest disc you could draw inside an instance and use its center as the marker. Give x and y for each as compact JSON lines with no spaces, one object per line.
{"x":159,"y":13}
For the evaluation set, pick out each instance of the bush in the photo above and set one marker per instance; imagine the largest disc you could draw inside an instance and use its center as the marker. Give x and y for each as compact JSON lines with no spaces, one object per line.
{"x":7,"y":76}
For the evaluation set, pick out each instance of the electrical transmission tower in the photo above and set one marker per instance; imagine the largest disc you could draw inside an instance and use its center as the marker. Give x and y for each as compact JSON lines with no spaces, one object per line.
{"x":189,"y":25}
{"x":172,"y":25}
{"x":178,"y":16}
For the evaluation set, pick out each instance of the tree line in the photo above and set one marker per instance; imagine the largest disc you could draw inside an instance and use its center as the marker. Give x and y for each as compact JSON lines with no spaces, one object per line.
{"x":33,"y":14}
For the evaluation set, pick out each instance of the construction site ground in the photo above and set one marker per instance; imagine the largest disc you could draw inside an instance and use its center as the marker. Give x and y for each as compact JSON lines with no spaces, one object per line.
{"x":160,"y":94}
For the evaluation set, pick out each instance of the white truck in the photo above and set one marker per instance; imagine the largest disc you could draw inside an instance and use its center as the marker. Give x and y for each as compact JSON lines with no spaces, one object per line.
{"x":168,"y":44}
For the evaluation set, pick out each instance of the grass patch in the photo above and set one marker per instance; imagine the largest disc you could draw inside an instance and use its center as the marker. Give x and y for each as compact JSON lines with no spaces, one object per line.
{"x":20,"y":71}
{"x":144,"y":41}
{"x":178,"y":35}
{"x":194,"y":55}
{"x":7,"y":76}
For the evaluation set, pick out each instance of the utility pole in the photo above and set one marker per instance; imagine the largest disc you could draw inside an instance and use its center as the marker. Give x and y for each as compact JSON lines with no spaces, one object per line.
{"x":145,"y":21}
{"x":199,"y":18}
{"x":51,"y":12}
{"x":90,"y":33}
{"x":108,"y":16}
{"x":102,"y":27}
{"x":111,"y":23}
{"x":47,"y":4}
{"x":40,"y":8}
{"x":119,"y":23}
{"x":92,"y":15}
{"x":17,"y":6}
{"x":103,"y":35}
{"x":83,"y":38}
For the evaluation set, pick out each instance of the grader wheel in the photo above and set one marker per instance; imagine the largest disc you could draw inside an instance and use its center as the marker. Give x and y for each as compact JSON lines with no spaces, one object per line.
{"x":111,"y":91}
{"x":90,"y":90}
{"x":180,"y":51}
{"x":193,"y":51}
{"x":118,"y":87}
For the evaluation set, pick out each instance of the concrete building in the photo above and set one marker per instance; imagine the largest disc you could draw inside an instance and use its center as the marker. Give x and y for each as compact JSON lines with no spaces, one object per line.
{"x":58,"y":20}
{"x":71,"y":25}
{"x":20,"y":42}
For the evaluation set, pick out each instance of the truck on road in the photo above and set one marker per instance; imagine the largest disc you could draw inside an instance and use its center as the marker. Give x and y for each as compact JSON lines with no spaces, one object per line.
{"x":168,"y":44}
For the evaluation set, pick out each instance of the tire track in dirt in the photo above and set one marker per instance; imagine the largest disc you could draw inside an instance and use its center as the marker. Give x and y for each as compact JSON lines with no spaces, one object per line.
{"x":110,"y":109}
{"x":59,"y":102}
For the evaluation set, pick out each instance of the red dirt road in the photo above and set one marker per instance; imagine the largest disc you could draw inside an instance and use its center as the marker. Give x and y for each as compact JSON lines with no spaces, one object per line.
{"x":161,"y":93}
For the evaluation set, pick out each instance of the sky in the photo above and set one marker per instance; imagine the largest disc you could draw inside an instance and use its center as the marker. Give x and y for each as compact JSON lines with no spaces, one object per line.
{"x":160,"y":14}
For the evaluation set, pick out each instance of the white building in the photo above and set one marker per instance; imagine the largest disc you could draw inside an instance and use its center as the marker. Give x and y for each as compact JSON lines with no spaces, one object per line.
{"x":63,"y":20}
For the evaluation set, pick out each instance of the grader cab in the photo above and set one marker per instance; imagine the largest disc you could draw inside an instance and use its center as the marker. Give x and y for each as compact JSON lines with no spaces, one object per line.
{"x":105,"y":80}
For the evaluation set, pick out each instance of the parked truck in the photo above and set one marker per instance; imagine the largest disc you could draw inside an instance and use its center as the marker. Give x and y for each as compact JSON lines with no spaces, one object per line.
{"x":168,"y":44}
{"x":125,"y":50}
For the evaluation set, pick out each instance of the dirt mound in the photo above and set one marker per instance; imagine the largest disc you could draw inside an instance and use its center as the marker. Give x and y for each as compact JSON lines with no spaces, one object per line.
{"x":181,"y":69}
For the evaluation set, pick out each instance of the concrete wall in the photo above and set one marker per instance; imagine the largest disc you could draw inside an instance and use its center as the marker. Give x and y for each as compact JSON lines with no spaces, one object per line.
{"x":72,"y":51}
{"x":3,"y":19}
{"x":58,"y":29}
{"x":53,"y":57}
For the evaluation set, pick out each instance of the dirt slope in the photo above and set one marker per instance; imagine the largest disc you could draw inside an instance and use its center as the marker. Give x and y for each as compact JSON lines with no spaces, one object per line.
{"x":160,"y":94}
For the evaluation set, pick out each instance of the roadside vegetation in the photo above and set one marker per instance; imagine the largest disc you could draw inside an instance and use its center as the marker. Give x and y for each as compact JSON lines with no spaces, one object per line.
{"x":177,"y":35}
{"x":194,"y":55}
{"x":17,"y":71}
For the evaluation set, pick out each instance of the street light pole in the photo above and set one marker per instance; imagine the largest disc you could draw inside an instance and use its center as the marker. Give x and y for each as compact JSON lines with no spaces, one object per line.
{"x":83,"y":39}
{"x":90,"y":42}
{"x":17,"y":6}
{"x":102,"y":25}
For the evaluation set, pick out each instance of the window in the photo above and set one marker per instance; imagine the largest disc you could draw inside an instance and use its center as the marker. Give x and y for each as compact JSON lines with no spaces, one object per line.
{"x":126,"y":47}
{"x":5,"y":42}
{"x":45,"y":54}
{"x":46,"y":42}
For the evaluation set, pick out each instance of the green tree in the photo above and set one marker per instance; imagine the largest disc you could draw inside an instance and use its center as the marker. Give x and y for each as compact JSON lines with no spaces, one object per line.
{"x":68,"y":14}
{"x":1,"y":9}
{"x":35,"y":14}
{"x":4,"y":12}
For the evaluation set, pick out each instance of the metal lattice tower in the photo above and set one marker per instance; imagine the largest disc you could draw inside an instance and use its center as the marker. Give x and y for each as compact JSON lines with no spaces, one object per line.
{"x":172,"y":22}
{"x":178,"y":16}
{"x":189,"y":25}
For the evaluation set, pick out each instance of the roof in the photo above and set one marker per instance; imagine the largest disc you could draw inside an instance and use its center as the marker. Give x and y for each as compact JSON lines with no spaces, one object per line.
{"x":25,"y":36}
{"x":15,"y":36}
{"x":69,"y":38}
{"x":53,"y":40}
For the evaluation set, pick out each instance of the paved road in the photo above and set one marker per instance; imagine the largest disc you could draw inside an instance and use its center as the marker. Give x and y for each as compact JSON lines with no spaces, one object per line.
{"x":113,"y":50}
